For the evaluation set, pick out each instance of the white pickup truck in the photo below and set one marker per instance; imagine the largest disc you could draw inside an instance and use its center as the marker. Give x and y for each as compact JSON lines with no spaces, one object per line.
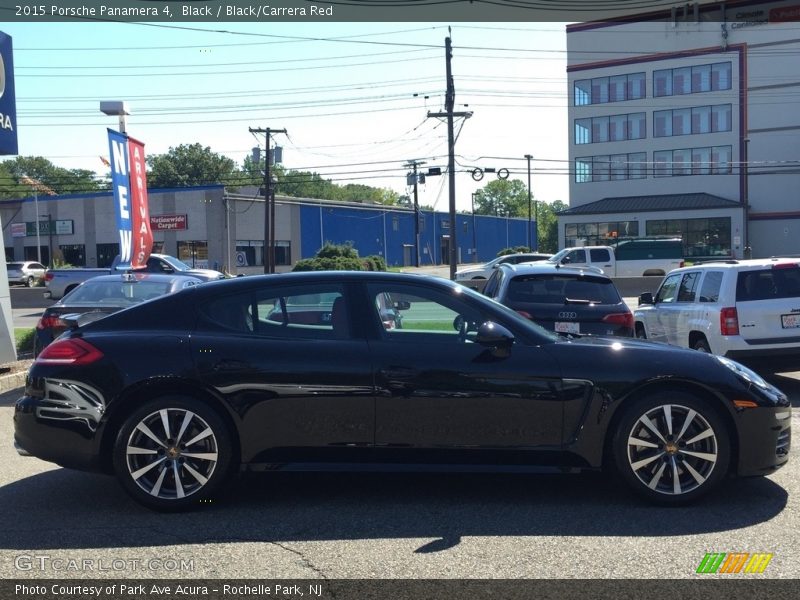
{"x":60,"y":282}
{"x":631,"y":258}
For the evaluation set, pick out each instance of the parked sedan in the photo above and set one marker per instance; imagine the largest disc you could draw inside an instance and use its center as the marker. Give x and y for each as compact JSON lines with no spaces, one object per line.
{"x":176,"y":394}
{"x":25,"y":273}
{"x":567,"y":300}
{"x":101,"y":296}
{"x":485,"y":271}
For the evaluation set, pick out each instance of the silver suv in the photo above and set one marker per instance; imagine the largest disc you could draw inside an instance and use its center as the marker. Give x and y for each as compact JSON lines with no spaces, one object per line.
{"x":26,"y":273}
{"x":733,"y":308}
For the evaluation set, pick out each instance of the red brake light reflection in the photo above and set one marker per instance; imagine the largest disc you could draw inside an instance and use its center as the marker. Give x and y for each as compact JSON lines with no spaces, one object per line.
{"x":48,"y":322}
{"x":623,"y":319}
{"x":73,"y":351}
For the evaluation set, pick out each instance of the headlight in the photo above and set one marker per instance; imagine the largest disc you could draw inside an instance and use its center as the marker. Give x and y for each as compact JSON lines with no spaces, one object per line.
{"x":748,"y":375}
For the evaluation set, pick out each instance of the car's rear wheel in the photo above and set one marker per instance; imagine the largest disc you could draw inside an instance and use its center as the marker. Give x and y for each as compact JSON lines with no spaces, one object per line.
{"x":671,"y":448}
{"x":172,"y":453}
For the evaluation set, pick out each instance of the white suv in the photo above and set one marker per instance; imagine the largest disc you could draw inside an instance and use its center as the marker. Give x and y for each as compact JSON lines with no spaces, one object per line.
{"x":738,"y":309}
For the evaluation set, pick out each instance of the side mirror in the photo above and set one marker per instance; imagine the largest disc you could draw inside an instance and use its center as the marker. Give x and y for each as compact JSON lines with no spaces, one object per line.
{"x":494,"y":336}
{"x":402,"y":305}
{"x":646,"y":298}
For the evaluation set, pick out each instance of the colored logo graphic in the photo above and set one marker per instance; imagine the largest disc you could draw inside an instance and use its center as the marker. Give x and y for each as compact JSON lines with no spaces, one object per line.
{"x":734,"y":562}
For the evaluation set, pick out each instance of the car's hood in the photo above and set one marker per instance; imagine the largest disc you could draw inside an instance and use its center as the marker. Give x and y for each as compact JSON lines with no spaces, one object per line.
{"x":468,"y":270}
{"x":207,"y":274}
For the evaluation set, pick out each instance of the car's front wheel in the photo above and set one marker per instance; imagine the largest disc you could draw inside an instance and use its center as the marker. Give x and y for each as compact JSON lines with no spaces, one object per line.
{"x":172,"y":453}
{"x":671,"y":448}
{"x":31,"y":281}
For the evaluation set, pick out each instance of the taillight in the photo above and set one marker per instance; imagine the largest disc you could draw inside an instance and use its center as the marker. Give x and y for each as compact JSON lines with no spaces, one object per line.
{"x":389,"y":324}
{"x":681,"y":265}
{"x":785,"y":265}
{"x":527,"y":315}
{"x":729,"y":321}
{"x":49,"y":321}
{"x":622,"y":319}
{"x":48,"y":276}
{"x":73,"y":351}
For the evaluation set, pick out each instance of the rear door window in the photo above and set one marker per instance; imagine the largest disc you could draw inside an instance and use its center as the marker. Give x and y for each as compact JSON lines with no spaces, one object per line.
{"x":709,"y":290}
{"x":599,"y":255}
{"x":768,"y":284}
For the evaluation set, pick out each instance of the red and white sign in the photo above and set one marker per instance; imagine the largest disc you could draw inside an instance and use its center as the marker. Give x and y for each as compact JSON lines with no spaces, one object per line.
{"x":18,"y":230}
{"x":167,"y":222}
{"x":142,"y":235}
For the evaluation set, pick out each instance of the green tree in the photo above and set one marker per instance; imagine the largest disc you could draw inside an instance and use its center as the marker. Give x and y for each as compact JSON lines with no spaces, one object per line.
{"x":547,"y":225}
{"x":188,"y":165}
{"x":502,"y":197}
{"x":58,"y":179}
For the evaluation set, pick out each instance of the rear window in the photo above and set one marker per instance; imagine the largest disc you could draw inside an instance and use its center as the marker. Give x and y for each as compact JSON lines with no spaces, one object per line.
{"x":554,"y":289}
{"x":15,"y":265}
{"x":767,"y":284}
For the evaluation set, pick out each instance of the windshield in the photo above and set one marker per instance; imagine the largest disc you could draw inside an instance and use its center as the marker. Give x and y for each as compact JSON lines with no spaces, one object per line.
{"x":558,"y":256}
{"x":116,"y":292}
{"x":175,"y":263}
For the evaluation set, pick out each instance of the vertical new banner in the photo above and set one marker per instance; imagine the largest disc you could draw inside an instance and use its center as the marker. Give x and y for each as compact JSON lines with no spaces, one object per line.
{"x":129,"y":180}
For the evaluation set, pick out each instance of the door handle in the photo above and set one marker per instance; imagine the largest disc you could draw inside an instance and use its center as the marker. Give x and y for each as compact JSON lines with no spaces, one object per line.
{"x":402,"y":373}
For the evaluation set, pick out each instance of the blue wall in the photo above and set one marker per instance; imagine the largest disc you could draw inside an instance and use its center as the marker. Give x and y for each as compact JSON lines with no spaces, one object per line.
{"x":384,"y":232}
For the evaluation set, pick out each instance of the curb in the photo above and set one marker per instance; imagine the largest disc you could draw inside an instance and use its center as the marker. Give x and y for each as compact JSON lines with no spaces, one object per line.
{"x":16,"y":378}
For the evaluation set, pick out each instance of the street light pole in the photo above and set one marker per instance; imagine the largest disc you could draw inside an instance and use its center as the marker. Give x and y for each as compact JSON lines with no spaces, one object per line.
{"x":38,"y":241}
{"x":530,"y":243}
{"x":474,"y":232}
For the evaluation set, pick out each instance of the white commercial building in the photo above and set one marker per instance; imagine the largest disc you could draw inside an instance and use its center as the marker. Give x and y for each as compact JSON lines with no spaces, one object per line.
{"x":686,"y":122}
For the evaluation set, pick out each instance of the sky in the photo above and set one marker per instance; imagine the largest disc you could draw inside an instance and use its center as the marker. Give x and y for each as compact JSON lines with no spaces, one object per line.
{"x":353,"y":97}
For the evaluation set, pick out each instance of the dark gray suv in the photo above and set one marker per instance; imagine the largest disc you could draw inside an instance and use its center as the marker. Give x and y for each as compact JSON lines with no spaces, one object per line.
{"x":567,"y":300}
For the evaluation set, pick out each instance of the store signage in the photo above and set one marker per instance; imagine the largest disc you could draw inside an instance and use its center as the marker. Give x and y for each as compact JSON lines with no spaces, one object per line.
{"x":18,"y":230}
{"x":8,"y":102}
{"x":64,"y":227}
{"x":129,"y":181}
{"x":784,"y":14}
{"x":168,"y":222}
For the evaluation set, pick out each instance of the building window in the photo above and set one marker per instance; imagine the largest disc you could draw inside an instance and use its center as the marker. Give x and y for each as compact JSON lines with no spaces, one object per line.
{"x":603,"y":233}
{"x":249,"y":253}
{"x":615,"y":167}
{"x":583,"y":92}
{"x":602,"y":90}
{"x":75,"y":254}
{"x":714,"y":160}
{"x":583,"y":170}
{"x":702,"y":238}
{"x":106,"y":254}
{"x":615,"y":128}
{"x":194,"y":254}
{"x":692,"y":80}
{"x":395,"y":223}
{"x":283,"y":253}
{"x":685,"y":121}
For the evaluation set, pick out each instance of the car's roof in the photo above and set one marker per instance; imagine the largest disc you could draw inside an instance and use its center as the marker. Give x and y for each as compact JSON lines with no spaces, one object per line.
{"x":554,"y":269}
{"x":740,"y":265}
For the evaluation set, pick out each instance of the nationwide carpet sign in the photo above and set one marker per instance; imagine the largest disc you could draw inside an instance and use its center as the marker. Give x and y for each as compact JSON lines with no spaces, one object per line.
{"x":129,"y":180}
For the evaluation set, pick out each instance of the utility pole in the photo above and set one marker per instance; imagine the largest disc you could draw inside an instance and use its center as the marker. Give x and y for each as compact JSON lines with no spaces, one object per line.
{"x":530,"y":247}
{"x":269,"y":205}
{"x":414,"y":164}
{"x":450,"y":99}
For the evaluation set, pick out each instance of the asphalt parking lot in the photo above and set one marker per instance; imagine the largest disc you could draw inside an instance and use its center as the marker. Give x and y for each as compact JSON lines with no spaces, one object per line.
{"x":373,"y":526}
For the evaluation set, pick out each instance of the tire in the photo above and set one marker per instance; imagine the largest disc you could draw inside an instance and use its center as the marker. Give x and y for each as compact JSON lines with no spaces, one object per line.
{"x":30,"y":281}
{"x":149,"y":474}
{"x":701,"y":345}
{"x":687,"y":457}
{"x":640,"y":333}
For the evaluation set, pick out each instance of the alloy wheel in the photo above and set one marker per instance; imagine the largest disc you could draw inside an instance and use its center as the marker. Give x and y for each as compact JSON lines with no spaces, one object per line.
{"x":672,"y":449}
{"x":172,"y":453}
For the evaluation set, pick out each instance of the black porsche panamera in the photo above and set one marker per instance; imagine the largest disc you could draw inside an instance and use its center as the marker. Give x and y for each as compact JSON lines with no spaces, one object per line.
{"x":302,"y":371}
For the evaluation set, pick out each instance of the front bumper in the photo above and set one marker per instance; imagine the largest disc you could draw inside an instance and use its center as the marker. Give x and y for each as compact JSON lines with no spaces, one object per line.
{"x":765,"y":436}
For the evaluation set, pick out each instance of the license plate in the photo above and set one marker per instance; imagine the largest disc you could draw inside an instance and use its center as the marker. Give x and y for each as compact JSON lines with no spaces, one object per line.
{"x":562,"y":327}
{"x":790,"y":321}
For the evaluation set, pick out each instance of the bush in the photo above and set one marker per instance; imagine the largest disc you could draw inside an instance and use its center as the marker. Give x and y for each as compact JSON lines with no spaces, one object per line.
{"x":337,"y":250}
{"x":24,"y":339}
{"x":374,"y":262}
{"x":338,"y":263}
{"x":514,"y":250}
